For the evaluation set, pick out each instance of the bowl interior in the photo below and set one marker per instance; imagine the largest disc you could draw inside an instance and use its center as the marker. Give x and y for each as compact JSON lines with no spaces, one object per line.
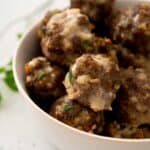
{"x":30,"y":48}
{"x":30,"y":45}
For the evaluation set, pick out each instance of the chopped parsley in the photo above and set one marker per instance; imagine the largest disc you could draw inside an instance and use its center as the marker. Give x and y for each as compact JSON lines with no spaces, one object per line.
{"x":70,"y":76}
{"x":9,"y":80}
{"x":68,"y":107}
{"x":8,"y":77}
{"x":41,"y":74}
{"x":2,"y":69}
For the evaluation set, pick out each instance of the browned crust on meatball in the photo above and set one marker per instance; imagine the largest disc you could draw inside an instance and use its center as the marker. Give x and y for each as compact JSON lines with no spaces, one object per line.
{"x":117,"y":130}
{"x":77,"y":115}
{"x":44,"y":79}
{"x":96,"y":10}
{"x":133,"y":101}
{"x":68,"y":35}
{"x":42,"y":29}
{"x":131,"y":27}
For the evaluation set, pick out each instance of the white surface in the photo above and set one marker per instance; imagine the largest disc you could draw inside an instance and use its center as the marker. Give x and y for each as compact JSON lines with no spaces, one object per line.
{"x":19,"y":130}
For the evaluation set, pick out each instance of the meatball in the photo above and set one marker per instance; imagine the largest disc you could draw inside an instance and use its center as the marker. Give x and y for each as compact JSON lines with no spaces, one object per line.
{"x":131,"y":27}
{"x":93,"y":81}
{"x":76,"y":115}
{"x":126,"y":58}
{"x":68,"y":35}
{"x":42,"y":28}
{"x":117,"y":130}
{"x":133,"y":100}
{"x":96,"y":10}
{"x":44,"y":79}
{"x":122,"y":55}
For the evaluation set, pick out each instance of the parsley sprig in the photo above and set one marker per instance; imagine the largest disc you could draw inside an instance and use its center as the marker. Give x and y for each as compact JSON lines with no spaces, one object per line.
{"x":41,"y":74}
{"x":68,"y":107}
{"x":7,"y":76}
{"x":70,"y":76}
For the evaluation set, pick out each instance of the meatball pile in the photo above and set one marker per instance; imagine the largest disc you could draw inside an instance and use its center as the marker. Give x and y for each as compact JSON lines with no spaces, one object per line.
{"x":95,"y":83}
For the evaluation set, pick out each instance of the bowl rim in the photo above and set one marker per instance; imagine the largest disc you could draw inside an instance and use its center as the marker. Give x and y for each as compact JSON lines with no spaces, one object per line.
{"x":30,"y":101}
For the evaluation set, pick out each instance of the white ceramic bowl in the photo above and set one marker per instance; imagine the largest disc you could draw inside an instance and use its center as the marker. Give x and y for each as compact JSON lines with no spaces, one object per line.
{"x":66,"y":137}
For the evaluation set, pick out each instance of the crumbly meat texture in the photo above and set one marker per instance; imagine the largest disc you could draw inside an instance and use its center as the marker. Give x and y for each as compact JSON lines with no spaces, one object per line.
{"x":77,"y":115}
{"x":96,"y":10}
{"x":44,"y":79}
{"x":42,"y":28}
{"x":131,"y":27}
{"x":93,"y":81}
{"x":114,"y":129}
{"x":126,"y":58}
{"x":68,"y":35}
{"x":122,"y":55}
{"x":133,"y":100}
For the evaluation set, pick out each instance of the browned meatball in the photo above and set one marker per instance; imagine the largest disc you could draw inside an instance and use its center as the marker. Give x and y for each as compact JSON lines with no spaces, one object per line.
{"x":44,"y":79}
{"x":117,"y":130}
{"x":96,"y":10}
{"x":131,"y":27}
{"x":133,"y":100}
{"x":126,"y":58}
{"x":42,"y":28}
{"x":120,"y":54}
{"x":76,"y":115}
{"x":68,"y":35}
{"x":93,"y":81}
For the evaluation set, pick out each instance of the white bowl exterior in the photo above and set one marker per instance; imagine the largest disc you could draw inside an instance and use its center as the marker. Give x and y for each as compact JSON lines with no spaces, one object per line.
{"x":65,"y":137}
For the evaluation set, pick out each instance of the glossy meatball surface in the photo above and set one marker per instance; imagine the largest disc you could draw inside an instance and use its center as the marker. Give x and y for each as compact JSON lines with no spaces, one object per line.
{"x":77,"y":115}
{"x":44,"y":79}
{"x":133,"y":101}
{"x":68,"y":35}
{"x":93,"y":81}
{"x":131,"y":27}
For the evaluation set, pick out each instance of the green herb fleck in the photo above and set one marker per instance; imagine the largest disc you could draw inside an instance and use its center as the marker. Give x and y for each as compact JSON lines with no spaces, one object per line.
{"x":2,"y":69}
{"x":41,"y":74}
{"x":70,"y":77}
{"x":8,"y":77}
{"x":9,"y":80}
{"x":68,"y":107}
{"x":19,"y":35}
{"x":86,"y":44}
